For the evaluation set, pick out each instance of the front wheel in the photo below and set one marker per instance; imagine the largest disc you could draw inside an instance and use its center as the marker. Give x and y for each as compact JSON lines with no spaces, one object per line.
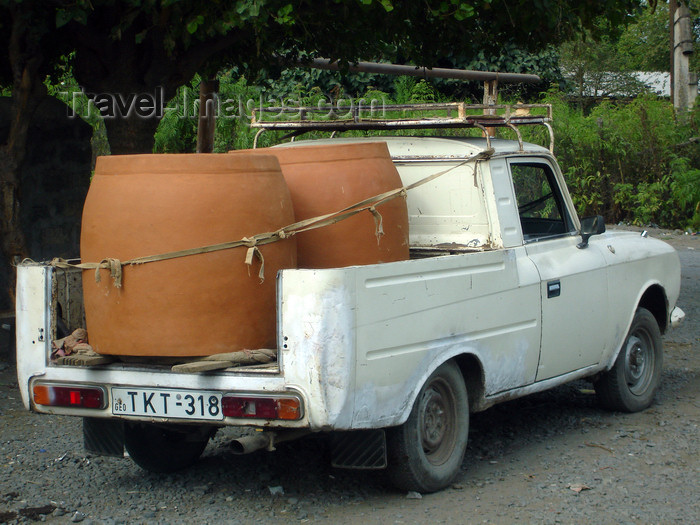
{"x":630,"y":385}
{"x":161,"y":448}
{"x":426,"y":452}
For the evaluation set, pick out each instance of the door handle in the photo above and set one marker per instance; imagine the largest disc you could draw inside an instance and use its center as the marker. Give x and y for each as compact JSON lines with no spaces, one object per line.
{"x":553,"y":289}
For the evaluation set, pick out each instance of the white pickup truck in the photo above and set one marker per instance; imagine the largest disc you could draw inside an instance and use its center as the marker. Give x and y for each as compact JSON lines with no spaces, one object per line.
{"x":506,"y":293}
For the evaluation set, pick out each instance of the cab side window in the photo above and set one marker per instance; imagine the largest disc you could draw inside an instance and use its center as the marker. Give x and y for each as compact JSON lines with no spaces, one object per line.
{"x":540,"y":204}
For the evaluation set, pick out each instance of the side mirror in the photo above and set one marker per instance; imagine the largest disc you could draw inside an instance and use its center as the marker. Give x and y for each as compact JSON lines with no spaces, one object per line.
{"x":590,"y":226}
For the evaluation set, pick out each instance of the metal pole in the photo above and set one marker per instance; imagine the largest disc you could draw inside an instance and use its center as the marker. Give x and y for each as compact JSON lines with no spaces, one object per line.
{"x":683,"y":95}
{"x":423,"y":72}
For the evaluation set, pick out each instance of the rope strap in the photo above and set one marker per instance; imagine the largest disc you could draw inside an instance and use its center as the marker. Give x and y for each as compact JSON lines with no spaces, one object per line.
{"x":253,"y":243}
{"x":378,"y":222}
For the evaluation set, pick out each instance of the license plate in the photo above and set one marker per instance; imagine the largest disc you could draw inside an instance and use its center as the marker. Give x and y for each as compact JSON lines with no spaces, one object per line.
{"x":167,"y":403}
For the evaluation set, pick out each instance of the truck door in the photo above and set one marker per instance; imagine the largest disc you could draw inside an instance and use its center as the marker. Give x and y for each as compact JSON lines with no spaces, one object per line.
{"x":574,"y":285}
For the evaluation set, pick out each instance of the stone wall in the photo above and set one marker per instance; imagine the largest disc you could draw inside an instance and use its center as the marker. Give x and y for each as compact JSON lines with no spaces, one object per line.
{"x":54,"y":181}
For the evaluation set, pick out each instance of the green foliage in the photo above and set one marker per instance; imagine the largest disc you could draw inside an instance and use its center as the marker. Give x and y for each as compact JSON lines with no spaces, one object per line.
{"x":137,"y":45}
{"x":600,"y":61}
{"x":644,"y":44}
{"x":595,"y":69}
{"x":177,"y":130}
{"x":423,"y":92}
{"x":403,"y":89}
{"x":685,"y":188}
{"x":630,"y":162}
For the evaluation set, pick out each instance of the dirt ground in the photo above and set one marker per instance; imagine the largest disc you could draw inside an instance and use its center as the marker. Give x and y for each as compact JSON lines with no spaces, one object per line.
{"x":553,"y":457}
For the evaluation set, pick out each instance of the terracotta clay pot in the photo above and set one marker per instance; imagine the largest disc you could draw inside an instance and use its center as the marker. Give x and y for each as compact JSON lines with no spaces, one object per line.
{"x":327,"y":178}
{"x":141,"y":205}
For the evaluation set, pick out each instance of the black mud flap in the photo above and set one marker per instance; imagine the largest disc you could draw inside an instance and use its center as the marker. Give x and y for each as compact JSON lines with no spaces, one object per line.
{"x":359,"y":449}
{"x":103,"y":437}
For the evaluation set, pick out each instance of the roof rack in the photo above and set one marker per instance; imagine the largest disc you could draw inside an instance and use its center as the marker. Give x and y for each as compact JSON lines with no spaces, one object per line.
{"x":300,"y":120}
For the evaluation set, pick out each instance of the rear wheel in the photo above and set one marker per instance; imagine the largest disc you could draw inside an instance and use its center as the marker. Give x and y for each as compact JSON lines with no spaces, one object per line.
{"x":161,"y":448}
{"x":426,"y":452}
{"x":631,"y":383}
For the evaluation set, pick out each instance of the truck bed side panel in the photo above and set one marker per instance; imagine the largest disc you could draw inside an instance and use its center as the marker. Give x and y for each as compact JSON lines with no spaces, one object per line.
{"x":317,"y":342}
{"x":361,"y":341}
{"x":411,"y":317}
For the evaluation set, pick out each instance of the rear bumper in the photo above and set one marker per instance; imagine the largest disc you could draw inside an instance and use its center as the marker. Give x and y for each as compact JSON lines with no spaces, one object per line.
{"x":110,"y":383}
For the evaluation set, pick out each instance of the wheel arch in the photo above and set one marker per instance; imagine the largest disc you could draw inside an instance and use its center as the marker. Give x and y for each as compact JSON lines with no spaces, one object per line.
{"x":630,"y":385}
{"x":473,"y":374}
{"x":655,"y":300}
{"x":425,"y":453}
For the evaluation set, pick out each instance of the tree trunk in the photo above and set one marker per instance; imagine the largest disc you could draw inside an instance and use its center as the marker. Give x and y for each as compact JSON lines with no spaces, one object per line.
{"x":28,"y":90}
{"x":206,"y":125}
{"x":130,"y":135}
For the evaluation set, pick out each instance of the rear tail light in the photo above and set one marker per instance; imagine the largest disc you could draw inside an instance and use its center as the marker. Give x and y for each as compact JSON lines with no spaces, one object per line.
{"x":287,"y":408}
{"x":69,"y":396}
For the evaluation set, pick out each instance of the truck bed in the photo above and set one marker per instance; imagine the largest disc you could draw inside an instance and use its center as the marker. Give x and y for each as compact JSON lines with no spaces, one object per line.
{"x":68,"y":314}
{"x":64,"y":296}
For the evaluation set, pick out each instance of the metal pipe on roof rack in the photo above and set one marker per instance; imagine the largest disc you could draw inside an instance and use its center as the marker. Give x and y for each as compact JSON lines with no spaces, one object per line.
{"x":415,"y":71}
{"x":517,"y":132}
{"x":486,"y":134}
{"x":257,"y":136}
{"x":551,"y":137}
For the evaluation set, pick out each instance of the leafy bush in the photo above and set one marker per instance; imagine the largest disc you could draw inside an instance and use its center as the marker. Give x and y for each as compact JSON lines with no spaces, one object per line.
{"x":631,"y":162}
{"x":177,"y":130}
{"x":685,"y":188}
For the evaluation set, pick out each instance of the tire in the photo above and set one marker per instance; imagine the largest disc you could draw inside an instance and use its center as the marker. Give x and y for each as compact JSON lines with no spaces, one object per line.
{"x":425,"y":453}
{"x":164,"y":449}
{"x":631,"y":384}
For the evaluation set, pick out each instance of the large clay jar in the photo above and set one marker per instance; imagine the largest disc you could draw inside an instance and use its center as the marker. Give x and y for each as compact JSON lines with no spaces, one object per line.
{"x":326,"y":178}
{"x":140,"y":205}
